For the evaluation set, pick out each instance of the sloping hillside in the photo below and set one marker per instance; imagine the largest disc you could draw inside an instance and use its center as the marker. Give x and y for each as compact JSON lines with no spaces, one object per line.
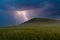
{"x":41,"y":22}
{"x":37,"y":20}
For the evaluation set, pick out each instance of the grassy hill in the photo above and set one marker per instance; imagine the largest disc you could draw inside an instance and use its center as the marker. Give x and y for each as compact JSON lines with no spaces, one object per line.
{"x":41,"y":22}
{"x":34,"y":29}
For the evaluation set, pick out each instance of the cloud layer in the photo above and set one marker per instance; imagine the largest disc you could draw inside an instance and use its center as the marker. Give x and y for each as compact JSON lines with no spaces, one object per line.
{"x":37,"y":8}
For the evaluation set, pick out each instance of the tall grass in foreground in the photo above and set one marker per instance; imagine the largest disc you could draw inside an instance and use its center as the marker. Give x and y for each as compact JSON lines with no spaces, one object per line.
{"x":42,"y":33}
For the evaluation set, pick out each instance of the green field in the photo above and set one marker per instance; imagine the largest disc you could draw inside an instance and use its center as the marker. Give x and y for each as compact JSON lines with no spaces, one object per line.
{"x":31,"y":31}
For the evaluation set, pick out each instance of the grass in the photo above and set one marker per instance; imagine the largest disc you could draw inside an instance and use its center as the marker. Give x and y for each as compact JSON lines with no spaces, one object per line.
{"x":31,"y":31}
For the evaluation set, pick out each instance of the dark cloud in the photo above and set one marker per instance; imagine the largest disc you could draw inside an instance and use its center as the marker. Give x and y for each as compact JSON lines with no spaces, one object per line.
{"x":20,"y":4}
{"x":42,"y":8}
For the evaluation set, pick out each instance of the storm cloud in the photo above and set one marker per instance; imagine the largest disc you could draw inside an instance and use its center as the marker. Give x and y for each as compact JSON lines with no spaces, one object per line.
{"x":38,"y":8}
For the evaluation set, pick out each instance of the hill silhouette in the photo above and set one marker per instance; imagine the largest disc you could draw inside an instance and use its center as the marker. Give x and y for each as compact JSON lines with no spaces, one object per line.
{"x":34,"y":22}
{"x":42,"y":20}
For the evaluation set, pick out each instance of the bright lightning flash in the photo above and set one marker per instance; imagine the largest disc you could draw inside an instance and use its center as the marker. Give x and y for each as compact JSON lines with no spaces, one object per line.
{"x":23,"y":13}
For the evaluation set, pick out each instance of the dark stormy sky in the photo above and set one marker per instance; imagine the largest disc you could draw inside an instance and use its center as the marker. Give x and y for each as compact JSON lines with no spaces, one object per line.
{"x":10,"y":9}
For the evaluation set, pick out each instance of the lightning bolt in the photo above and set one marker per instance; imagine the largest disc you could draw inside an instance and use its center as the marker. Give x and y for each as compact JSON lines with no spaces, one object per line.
{"x":23,"y":13}
{"x":25,"y":16}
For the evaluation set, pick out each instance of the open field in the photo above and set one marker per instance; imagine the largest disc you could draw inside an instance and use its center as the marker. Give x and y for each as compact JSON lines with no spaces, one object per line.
{"x":31,"y":31}
{"x":38,"y":29}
